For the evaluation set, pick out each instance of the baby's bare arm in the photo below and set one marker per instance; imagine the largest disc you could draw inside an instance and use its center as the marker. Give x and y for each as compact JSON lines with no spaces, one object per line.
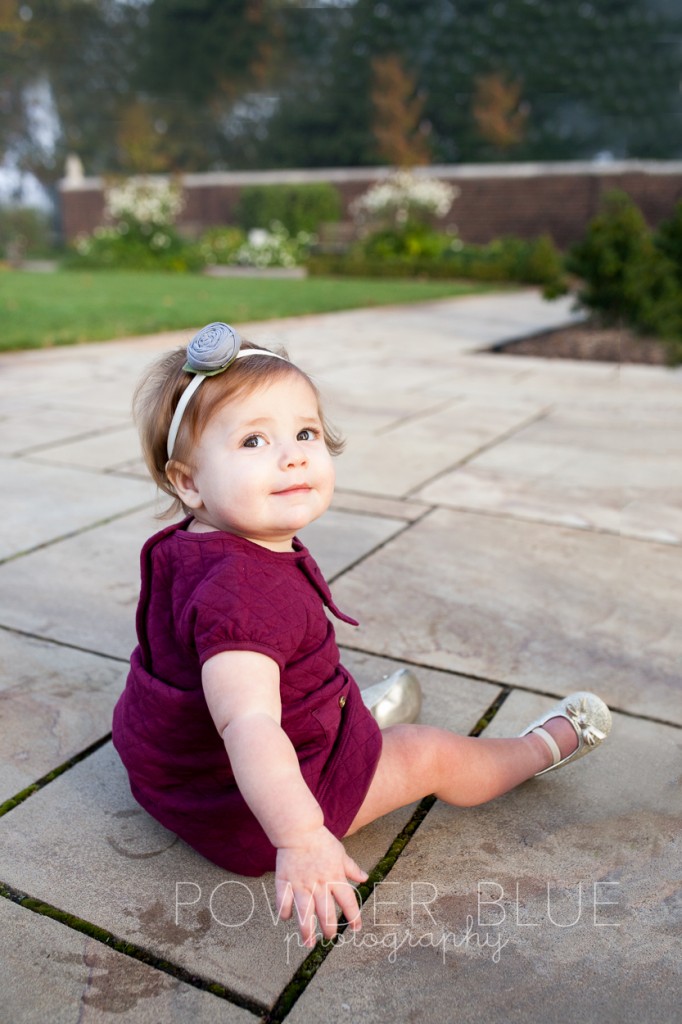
{"x":242,"y":693}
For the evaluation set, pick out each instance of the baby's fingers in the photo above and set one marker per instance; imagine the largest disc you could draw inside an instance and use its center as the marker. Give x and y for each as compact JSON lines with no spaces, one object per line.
{"x":326,"y":910}
{"x":304,"y":902}
{"x":284,"y":896}
{"x":346,"y":897}
{"x":353,"y":870}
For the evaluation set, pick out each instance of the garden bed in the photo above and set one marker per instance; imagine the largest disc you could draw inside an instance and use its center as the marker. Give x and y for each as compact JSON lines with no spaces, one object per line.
{"x":589,"y":341}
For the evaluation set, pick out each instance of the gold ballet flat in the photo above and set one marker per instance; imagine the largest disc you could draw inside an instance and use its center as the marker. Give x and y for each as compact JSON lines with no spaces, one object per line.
{"x":396,"y":700}
{"x":589,"y":716}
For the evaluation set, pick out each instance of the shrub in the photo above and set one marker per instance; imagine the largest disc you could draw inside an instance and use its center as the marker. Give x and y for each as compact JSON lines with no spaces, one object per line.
{"x":109,"y":248}
{"x":410,"y":242}
{"x":627,"y":275}
{"x":24,"y":232}
{"x":668,"y":240}
{"x":416,"y":250}
{"x":142,"y":236}
{"x":526,"y":261}
{"x":612,"y":258}
{"x":219,"y":245}
{"x":296,"y":207}
{"x":273,"y":248}
{"x":403,"y":197}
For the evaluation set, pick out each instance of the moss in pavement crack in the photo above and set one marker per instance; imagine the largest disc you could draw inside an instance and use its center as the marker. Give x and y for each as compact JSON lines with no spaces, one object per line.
{"x":129,"y":949}
{"x":19,"y":798}
{"x":306,"y":972}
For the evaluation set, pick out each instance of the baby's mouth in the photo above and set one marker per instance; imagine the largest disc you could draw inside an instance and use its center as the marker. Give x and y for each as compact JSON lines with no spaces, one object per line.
{"x":295,"y":489}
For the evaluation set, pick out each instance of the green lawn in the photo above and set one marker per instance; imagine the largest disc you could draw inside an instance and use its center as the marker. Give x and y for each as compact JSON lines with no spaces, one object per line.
{"x":61,"y":308}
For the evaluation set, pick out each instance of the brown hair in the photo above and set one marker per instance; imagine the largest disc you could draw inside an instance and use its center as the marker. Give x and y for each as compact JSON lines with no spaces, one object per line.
{"x":158,"y":393}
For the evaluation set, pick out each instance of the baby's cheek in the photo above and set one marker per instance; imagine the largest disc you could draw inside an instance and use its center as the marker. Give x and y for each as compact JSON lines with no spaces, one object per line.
{"x":330,"y":474}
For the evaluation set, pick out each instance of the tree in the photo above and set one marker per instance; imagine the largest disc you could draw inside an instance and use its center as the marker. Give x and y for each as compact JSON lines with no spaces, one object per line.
{"x":191,"y":85}
{"x":500,"y":119}
{"x":397,"y":114}
{"x":76,"y":56}
{"x":599,"y":76}
{"x":207,"y":51}
{"x":17,"y":141}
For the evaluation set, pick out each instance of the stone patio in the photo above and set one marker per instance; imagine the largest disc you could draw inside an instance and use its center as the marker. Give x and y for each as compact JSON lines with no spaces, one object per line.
{"x":510,"y":528}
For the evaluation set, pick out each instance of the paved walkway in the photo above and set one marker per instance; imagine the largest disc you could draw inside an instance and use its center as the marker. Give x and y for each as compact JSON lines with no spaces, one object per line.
{"x":512,"y":527}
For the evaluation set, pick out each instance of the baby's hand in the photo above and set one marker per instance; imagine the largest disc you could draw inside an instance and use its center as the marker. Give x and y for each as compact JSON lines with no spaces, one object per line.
{"x":311,"y":876}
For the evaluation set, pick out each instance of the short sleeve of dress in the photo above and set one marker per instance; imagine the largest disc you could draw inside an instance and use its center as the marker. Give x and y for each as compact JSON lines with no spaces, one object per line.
{"x":245,"y":607}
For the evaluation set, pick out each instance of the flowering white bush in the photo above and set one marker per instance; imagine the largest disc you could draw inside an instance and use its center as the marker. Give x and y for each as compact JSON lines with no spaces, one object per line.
{"x":149,"y":201}
{"x":403,"y":197}
{"x":273,"y":248}
{"x":140,"y":232}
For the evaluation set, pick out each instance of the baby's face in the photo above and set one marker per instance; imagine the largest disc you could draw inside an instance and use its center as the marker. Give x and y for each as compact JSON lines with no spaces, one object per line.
{"x":261,"y":468}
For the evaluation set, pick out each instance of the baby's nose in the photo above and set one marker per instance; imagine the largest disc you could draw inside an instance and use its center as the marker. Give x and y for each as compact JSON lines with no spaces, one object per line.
{"x":294,"y":453}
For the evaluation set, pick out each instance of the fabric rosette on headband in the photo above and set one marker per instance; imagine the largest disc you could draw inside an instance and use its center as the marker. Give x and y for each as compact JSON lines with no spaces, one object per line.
{"x":210,"y":352}
{"x":213,"y":349}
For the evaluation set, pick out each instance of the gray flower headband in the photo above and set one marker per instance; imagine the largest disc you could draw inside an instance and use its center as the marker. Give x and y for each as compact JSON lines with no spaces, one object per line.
{"x":210,"y":352}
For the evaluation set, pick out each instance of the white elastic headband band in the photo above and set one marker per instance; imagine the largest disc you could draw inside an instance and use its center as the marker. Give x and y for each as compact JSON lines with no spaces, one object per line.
{"x":192,"y":387}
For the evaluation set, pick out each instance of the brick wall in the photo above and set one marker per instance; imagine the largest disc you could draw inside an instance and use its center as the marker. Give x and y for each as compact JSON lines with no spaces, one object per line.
{"x":500,"y":199}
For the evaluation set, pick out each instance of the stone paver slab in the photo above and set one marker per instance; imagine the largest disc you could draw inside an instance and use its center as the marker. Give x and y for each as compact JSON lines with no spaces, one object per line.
{"x":449,"y":700}
{"x":93,"y":579}
{"x":82,"y":590}
{"x":579,"y":468}
{"x":339,"y":538}
{"x":528,"y":378}
{"x":91,"y":378}
{"x":140,"y":882}
{"x":462,"y":322}
{"x":54,"y":702}
{"x":49,"y":972}
{"x":397,"y":460}
{"x":107,"y":451}
{"x":128,"y":866}
{"x":349,"y":501}
{"x":26,"y":429}
{"x":36,"y":511}
{"x":590,"y":933}
{"x":523,"y":603}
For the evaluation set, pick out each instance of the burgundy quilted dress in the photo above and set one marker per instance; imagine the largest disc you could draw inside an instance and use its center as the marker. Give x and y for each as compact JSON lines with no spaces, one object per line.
{"x":203,"y":593}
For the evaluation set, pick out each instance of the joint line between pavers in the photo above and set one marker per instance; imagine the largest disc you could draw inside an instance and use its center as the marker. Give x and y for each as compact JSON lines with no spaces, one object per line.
{"x":347,"y":644}
{"x":130,"y":949}
{"x":45,"y":780}
{"x":77,"y":533}
{"x":638,"y":715}
{"x":308,"y":969}
{"x":498,"y":439}
{"x":521,"y":517}
{"x":70,"y":439}
{"x":341,"y":506}
{"x":420,"y":415}
{"x":382,"y":496}
{"x":61,"y":643}
{"x":378,"y":547}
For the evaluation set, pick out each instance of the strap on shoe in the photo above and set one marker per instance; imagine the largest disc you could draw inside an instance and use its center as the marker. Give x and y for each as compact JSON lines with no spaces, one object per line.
{"x":551,"y":743}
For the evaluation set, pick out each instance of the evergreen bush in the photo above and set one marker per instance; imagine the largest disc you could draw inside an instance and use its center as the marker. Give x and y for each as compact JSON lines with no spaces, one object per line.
{"x":629,"y":276}
{"x":296,"y":207}
{"x":668,"y":239}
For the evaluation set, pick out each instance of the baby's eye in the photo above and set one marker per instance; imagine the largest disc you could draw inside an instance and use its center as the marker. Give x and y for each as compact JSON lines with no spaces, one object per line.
{"x":253,"y":441}
{"x":308,"y":434}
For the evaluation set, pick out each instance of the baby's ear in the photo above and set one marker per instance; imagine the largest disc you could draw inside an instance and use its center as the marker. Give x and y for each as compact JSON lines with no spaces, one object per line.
{"x":182,"y":481}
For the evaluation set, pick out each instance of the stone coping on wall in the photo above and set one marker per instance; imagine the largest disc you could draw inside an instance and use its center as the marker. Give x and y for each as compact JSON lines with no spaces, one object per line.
{"x":599,"y":168}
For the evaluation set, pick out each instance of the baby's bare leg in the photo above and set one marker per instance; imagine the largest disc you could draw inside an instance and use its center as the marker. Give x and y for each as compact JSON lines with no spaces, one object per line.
{"x":417,"y":760}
